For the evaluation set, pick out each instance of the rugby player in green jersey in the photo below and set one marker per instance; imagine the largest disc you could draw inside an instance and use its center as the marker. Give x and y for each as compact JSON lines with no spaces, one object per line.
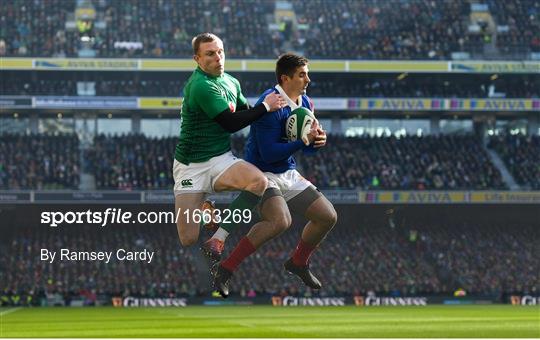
{"x":213,"y":108}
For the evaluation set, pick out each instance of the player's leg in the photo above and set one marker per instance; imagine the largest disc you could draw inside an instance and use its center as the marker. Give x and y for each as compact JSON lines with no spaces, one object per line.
{"x":235,"y":175}
{"x":186,"y":205}
{"x":242,"y":176}
{"x":191,"y":183}
{"x":250,"y":181}
{"x":322,"y":218}
{"x":276,"y":218}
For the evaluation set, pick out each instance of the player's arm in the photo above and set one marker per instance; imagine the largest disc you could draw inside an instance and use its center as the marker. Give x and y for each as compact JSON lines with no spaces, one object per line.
{"x":217,"y":107}
{"x":268,"y":135}
{"x":244,"y":114}
{"x":223,"y":113}
{"x":236,"y":121}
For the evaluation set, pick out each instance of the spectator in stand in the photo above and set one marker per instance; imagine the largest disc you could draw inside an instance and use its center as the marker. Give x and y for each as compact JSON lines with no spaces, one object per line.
{"x":165,"y":30}
{"x":325,"y":85}
{"x":521,"y":154}
{"x":132,"y":162}
{"x":330,"y":29}
{"x":37,"y":28}
{"x":410,"y":163}
{"x":418,"y":29}
{"x":523,"y":21}
{"x":39,"y":162}
{"x":420,"y":255}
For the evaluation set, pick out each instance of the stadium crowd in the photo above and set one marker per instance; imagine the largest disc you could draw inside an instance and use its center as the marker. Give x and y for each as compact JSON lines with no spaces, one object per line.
{"x":171,"y":269}
{"x":484,"y":260}
{"x":129,"y":162}
{"x":410,"y":163}
{"x":522,"y":19}
{"x":39,"y":161}
{"x":388,"y":30}
{"x":43,"y":87}
{"x":521,"y":154}
{"x":166,"y":30}
{"x":37,"y":29}
{"x":408,"y":257}
{"x":415,"y":29}
{"x":414,"y":86}
{"x":322,"y":85}
{"x":416,"y":257}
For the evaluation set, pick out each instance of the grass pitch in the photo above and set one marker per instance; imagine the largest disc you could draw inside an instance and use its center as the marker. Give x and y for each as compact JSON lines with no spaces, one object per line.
{"x":276,"y":322}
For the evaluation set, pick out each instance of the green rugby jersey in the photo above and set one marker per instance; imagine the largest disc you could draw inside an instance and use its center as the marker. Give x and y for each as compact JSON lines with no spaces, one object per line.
{"x":206,"y":96}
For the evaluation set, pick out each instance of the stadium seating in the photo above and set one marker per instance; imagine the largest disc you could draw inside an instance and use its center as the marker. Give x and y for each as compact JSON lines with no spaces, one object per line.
{"x":37,"y":29}
{"x":419,"y":256}
{"x":322,"y":85}
{"x":130,"y":162}
{"x":382,"y":30}
{"x":523,"y":22}
{"x":442,"y":162}
{"x":368,"y":29}
{"x":521,"y":154}
{"x":167,"y":30}
{"x":434,"y":257}
{"x":39,"y":162}
{"x":172,"y":269}
{"x":430,"y":162}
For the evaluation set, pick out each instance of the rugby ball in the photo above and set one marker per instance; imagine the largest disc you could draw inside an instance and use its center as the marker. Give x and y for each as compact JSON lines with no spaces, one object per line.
{"x":298,"y":125}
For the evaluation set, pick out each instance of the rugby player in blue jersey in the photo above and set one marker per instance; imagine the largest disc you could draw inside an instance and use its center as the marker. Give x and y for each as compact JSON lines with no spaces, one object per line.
{"x":268,"y":149}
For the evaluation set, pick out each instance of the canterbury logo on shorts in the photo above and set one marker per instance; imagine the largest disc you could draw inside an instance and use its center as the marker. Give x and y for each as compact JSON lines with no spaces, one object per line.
{"x":186,"y":183}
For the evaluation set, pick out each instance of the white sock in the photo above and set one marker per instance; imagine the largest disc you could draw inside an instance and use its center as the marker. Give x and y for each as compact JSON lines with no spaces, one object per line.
{"x":221,"y":234}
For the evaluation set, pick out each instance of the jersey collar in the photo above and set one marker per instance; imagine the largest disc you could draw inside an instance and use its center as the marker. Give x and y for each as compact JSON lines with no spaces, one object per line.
{"x":289,"y":101}
{"x":200,"y":70}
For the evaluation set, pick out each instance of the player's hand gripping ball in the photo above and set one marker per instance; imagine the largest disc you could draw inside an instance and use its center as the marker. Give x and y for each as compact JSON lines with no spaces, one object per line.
{"x":298,"y":125}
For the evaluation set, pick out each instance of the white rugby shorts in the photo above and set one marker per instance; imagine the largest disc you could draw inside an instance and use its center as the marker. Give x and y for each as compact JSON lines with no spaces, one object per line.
{"x":201,"y":177}
{"x":290,"y":183}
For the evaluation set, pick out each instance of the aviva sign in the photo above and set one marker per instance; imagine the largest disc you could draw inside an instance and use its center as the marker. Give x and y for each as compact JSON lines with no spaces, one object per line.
{"x":436,"y":104}
{"x":323,"y":104}
{"x":495,"y":104}
{"x":450,"y":197}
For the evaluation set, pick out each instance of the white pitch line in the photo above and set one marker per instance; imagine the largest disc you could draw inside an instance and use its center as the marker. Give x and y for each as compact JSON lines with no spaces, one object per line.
{"x":245,"y":324}
{"x":9,"y":311}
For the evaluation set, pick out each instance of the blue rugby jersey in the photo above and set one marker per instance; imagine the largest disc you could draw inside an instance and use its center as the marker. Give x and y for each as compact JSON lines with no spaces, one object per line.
{"x":267,"y":147}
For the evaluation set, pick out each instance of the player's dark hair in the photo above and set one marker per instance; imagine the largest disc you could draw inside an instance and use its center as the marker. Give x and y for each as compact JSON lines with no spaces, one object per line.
{"x":202,"y":38}
{"x":287,"y":64}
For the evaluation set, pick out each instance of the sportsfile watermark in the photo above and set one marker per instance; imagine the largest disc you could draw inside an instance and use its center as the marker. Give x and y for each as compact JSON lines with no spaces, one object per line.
{"x":120,"y":216}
